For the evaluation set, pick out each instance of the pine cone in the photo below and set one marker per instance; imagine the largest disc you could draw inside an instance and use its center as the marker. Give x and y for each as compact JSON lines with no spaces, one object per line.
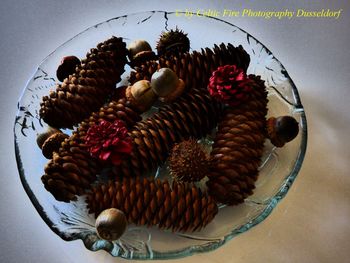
{"x":72,"y":169}
{"x":86,"y":90}
{"x":238,"y":147}
{"x":153,"y":202}
{"x":194,"y":114}
{"x":144,"y":71}
{"x":195,"y":68}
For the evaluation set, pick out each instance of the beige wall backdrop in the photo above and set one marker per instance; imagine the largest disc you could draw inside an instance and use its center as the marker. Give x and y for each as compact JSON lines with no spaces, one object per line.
{"x":310,"y":225}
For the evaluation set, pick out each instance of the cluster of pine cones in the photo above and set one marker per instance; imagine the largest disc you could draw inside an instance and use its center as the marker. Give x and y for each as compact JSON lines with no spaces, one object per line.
{"x":84,"y":99}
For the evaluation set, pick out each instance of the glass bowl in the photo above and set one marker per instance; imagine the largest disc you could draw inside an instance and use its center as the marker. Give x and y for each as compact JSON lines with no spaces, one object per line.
{"x":279,"y":168}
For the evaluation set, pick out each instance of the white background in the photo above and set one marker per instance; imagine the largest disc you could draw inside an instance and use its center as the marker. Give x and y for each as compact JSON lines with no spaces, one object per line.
{"x":310,"y":225}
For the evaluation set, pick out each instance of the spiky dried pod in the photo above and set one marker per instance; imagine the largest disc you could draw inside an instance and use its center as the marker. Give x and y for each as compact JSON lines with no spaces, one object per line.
{"x":87,"y":89}
{"x":238,"y":148}
{"x":188,"y":162}
{"x":173,"y":42}
{"x":195,"y":68}
{"x":193,"y":115}
{"x":179,"y":207}
{"x":72,"y":169}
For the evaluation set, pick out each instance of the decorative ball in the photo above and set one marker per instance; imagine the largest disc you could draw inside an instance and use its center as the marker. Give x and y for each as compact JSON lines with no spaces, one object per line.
{"x":111,"y":224}
{"x":67,"y":67}
{"x":165,"y":83}
{"x":188,"y":162}
{"x":173,"y":42}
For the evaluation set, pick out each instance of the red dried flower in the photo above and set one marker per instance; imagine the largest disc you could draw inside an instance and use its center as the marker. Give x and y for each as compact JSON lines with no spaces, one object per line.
{"x":230,"y":85}
{"x":109,"y":141}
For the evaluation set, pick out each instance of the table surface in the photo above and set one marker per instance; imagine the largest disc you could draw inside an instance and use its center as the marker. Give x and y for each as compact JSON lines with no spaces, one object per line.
{"x":310,"y":225}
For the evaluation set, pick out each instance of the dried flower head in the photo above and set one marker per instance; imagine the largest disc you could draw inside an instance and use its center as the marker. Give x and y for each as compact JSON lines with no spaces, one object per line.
{"x":109,"y":141}
{"x":230,"y":85}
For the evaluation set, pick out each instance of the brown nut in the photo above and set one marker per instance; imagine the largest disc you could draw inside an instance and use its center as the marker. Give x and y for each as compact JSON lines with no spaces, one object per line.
{"x":41,"y":138}
{"x":67,"y":67}
{"x":111,"y":224}
{"x":141,"y":95}
{"x":176,"y":93}
{"x":165,"y":82}
{"x":282,"y":129}
{"x":140,"y":51}
{"x":138,"y":46}
{"x":53,"y":143}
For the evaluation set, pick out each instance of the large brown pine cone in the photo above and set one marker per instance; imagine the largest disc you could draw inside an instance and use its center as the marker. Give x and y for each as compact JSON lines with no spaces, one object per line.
{"x":180,"y":207}
{"x":195,"y":68}
{"x":193,"y":115}
{"x":238,"y":148}
{"x":72,"y":169}
{"x":86,"y":90}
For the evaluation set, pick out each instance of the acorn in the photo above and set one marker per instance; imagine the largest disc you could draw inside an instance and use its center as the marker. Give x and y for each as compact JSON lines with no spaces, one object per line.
{"x":188,"y":162}
{"x":141,"y":95}
{"x":53,"y":143}
{"x":67,"y":67}
{"x":111,"y":224}
{"x":41,"y":138}
{"x":166,"y":84}
{"x":173,"y":42}
{"x":282,"y":129}
{"x":139,"y":52}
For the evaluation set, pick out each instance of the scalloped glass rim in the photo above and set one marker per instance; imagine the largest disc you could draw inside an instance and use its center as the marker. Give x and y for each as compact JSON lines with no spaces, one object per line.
{"x":269,"y":202}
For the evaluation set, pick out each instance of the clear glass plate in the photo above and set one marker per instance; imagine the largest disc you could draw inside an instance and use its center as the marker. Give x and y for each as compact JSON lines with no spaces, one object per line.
{"x":279,"y":168}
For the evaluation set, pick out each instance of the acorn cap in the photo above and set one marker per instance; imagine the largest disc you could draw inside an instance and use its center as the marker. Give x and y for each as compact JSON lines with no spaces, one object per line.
{"x":53,"y":143}
{"x":141,"y":95}
{"x":166,"y":84}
